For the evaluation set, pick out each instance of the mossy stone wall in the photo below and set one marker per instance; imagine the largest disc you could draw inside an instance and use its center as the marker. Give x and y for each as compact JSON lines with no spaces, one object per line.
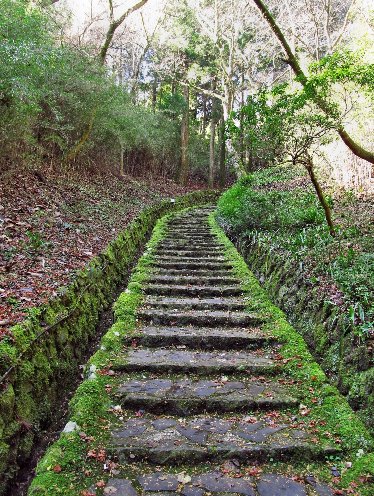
{"x":339,"y":351}
{"x":37,"y":367}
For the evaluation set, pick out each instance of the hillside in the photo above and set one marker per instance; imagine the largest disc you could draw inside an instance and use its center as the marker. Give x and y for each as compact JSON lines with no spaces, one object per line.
{"x":52,"y":224}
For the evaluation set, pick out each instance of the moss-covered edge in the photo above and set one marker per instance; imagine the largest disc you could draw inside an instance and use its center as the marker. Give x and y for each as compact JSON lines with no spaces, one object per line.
{"x":33,"y":388}
{"x":324,"y":401}
{"x":90,"y":407}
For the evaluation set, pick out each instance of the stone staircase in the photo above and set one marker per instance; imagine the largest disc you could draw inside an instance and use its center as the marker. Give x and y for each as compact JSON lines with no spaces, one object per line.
{"x":199,"y":387}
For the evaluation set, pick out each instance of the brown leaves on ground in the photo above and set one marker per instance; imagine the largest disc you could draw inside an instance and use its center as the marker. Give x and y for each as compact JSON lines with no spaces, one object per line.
{"x":53,"y":223}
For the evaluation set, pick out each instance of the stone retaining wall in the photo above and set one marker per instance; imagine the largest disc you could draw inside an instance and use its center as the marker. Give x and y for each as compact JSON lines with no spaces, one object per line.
{"x":344,"y":358}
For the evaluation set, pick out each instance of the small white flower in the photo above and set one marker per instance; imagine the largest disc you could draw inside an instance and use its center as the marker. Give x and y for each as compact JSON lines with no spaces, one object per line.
{"x":360,"y":453}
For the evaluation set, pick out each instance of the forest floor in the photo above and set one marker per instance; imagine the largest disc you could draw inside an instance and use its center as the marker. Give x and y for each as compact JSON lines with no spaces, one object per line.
{"x":52,"y":224}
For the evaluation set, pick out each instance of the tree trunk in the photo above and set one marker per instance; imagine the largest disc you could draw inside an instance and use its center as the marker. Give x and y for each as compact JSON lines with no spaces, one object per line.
{"x":154,"y":95}
{"x":310,"y":168}
{"x":212,"y":152}
{"x":213,"y":125}
{"x":222,"y":154}
{"x":122,"y":162}
{"x":183,"y":172}
{"x":357,"y":149}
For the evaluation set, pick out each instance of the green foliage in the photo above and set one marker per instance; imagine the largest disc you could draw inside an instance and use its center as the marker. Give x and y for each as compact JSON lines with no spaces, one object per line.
{"x":281,"y":125}
{"x":343,"y":66}
{"x":286,"y":123}
{"x":244,"y":208}
{"x":50,"y":94}
{"x":263,"y":207}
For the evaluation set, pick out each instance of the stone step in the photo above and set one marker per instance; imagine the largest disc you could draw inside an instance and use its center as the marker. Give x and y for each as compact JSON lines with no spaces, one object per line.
{"x":178,"y":245}
{"x":190,"y":253}
{"x":191,"y":264}
{"x":222,"y":303}
{"x":186,"y":397}
{"x":208,"y":318}
{"x":191,"y":272}
{"x":190,"y":232}
{"x":165,"y":360}
{"x":200,"y":337}
{"x":173,"y":258}
{"x":193,"y":280}
{"x":202,"y":439}
{"x":180,"y":290}
{"x":191,"y":240}
{"x":213,"y":483}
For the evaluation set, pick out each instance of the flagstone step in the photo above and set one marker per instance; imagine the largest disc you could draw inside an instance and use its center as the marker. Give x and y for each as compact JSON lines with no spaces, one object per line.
{"x":164,"y":360}
{"x":174,"y":441}
{"x":180,"y":303}
{"x":201,"y":337}
{"x":197,"y":290}
{"x":179,"y":244}
{"x":190,"y":253}
{"x":191,"y":264}
{"x":204,"y":272}
{"x":172,"y":257}
{"x":208,"y":318}
{"x":186,"y":397}
{"x":193,"y":280}
{"x":214,"y":483}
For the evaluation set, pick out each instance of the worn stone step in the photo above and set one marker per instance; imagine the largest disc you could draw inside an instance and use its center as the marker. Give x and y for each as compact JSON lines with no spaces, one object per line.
{"x":200,"y":362}
{"x":193,"y":280}
{"x":182,"y":243}
{"x":178,"y":289}
{"x":192,"y":272}
{"x":198,"y":439}
{"x":190,"y":253}
{"x":191,"y":240}
{"x":191,"y":264}
{"x":178,"y":258}
{"x":186,"y":397}
{"x":214,"y":483}
{"x":200,"y":337}
{"x":180,"y":303}
{"x":199,"y":231}
{"x":178,"y":245}
{"x":209,"y":318}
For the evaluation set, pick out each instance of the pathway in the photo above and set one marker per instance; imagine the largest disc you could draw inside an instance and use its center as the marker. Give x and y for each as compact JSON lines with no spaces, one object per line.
{"x":202,"y":383}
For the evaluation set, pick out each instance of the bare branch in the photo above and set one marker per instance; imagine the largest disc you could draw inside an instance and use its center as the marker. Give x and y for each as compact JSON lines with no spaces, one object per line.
{"x":115,"y":24}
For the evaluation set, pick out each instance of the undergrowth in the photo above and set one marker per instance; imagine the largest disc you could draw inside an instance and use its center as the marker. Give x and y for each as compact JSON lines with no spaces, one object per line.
{"x":271,"y":207}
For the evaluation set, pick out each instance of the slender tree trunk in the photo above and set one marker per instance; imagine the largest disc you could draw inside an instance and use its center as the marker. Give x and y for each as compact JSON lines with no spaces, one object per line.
{"x":212,"y":152}
{"x":122,"y":162}
{"x":222,"y":154}
{"x":183,"y":172}
{"x":321,"y":197}
{"x":356,"y":148}
{"x":212,"y":149}
{"x":154,"y":95}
